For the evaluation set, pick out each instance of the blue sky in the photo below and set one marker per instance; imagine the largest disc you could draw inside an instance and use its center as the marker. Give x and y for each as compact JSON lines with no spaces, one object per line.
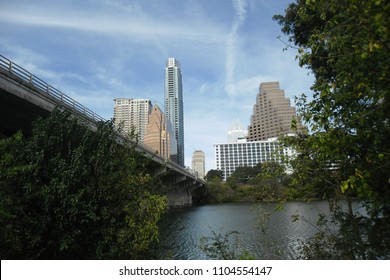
{"x":98,"y":50}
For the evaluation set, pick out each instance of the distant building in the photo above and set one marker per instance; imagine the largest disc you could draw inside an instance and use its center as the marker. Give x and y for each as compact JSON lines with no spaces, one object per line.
{"x":272,"y":117}
{"x":198,"y":163}
{"x":173,"y":90}
{"x":236,"y":132}
{"x":229,"y":156}
{"x":159,"y":135}
{"x":132,"y":115}
{"x":272,"y":113}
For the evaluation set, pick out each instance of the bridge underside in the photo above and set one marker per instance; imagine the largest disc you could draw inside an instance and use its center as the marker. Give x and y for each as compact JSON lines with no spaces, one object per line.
{"x":180,"y":187}
{"x":17,"y":114}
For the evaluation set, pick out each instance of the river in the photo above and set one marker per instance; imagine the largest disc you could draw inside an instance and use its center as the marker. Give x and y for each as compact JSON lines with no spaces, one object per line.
{"x":263,"y":232}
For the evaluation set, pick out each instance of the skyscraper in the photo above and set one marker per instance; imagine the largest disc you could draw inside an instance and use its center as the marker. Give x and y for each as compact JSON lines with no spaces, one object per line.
{"x":173,"y":90}
{"x":236,"y":132}
{"x":159,"y":135}
{"x":272,"y":113}
{"x":198,"y":163}
{"x":132,"y":114}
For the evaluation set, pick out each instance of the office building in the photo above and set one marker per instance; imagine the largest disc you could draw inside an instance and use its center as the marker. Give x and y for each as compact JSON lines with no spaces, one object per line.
{"x":236,"y":132}
{"x":272,"y":113}
{"x":198,"y":163}
{"x":229,"y":156}
{"x":132,"y":115}
{"x":159,"y":135}
{"x":173,"y":90}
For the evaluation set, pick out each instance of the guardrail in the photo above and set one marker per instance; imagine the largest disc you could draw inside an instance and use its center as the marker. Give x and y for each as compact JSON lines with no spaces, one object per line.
{"x":63,"y":99}
{"x":41,"y":85}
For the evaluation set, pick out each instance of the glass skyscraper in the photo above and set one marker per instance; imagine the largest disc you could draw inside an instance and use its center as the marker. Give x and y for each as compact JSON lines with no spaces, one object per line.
{"x":174,"y":104}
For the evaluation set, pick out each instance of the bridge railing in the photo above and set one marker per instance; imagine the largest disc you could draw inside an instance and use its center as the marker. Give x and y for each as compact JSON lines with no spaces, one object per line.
{"x":41,"y":85}
{"x":69,"y":102}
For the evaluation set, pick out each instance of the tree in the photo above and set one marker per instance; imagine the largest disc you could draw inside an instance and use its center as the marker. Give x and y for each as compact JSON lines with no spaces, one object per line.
{"x":70,"y":193}
{"x":346,"y":46}
{"x":213,"y":173}
{"x":243,"y":174}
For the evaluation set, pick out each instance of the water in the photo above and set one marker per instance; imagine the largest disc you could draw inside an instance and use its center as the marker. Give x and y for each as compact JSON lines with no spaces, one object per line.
{"x":182,"y":229}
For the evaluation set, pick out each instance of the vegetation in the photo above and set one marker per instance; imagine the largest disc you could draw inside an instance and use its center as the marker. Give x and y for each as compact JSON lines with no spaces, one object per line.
{"x":345,"y":44}
{"x":262,"y":182}
{"x":213,"y":173}
{"x":70,"y":193}
{"x":224,"y":247}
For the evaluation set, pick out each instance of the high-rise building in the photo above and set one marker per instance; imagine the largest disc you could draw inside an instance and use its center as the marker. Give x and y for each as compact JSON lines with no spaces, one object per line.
{"x":159,"y":135}
{"x":132,"y":115}
{"x":272,"y":113}
{"x":198,"y":163}
{"x":236,"y":132}
{"x":229,"y":156}
{"x":173,"y":90}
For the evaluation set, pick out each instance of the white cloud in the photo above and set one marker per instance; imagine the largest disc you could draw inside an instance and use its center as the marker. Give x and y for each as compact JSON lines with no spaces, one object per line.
{"x":135,"y":27}
{"x":231,"y":44}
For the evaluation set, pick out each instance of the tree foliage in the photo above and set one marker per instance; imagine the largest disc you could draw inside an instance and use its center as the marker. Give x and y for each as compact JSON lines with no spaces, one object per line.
{"x":68,"y":192}
{"x":213,"y":173}
{"x":243,"y":174}
{"x":345,"y":44}
{"x":249,"y":184}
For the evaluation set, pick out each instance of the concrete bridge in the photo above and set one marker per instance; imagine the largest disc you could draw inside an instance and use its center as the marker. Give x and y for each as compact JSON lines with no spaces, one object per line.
{"x":24,"y":97}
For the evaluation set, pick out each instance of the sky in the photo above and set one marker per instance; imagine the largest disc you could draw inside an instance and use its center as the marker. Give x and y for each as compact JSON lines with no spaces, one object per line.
{"x":98,"y":50}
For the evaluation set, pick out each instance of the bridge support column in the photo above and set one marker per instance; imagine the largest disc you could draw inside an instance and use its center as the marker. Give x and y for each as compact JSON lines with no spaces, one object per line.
{"x":180,"y":194}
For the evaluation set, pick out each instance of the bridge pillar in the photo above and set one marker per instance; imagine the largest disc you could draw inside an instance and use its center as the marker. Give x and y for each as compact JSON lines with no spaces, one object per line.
{"x":180,"y":193}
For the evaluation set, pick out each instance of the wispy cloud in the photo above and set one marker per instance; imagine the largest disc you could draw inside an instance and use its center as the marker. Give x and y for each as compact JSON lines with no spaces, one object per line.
{"x":231,"y":44}
{"x":133,"y":25}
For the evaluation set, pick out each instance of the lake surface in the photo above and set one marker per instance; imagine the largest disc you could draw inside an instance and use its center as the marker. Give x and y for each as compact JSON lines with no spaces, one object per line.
{"x":182,"y":229}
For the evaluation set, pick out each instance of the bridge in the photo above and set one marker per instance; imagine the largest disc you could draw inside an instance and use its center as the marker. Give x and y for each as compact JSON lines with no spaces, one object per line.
{"x":24,"y":97}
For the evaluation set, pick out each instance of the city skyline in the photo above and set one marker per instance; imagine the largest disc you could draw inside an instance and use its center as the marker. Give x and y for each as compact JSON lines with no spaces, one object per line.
{"x":95,"y":51}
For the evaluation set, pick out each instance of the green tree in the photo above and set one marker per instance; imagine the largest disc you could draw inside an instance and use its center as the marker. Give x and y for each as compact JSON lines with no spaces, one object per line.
{"x":218,"y":191}
{"x":213,"y":173}
{"x":68,"y":192}
{"x":242,"y":175}
{"x":345,"y":44}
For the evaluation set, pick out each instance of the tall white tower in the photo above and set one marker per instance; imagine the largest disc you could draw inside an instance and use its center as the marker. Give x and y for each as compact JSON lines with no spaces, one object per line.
{"x":173,"y":90}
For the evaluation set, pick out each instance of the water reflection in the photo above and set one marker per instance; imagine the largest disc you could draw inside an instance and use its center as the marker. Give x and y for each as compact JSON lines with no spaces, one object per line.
{"x":264,"y":232}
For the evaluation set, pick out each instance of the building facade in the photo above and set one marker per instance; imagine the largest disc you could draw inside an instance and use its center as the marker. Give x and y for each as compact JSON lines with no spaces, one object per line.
{"x":132,"y":115}
{"x":173,"y":91}
{"x":236,"y":132}
{"x":159,"y":135}
{"x":229,"y":156}
{"x":198,"y":163}
{"x":272,"y":113}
